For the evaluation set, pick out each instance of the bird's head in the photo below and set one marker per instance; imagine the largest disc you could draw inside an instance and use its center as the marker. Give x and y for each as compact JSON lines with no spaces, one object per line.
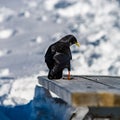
{"x":72,"y":40}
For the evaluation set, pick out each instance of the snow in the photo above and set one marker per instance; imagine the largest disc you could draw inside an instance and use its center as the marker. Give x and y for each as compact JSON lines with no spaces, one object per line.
{"x":31,"y":4}
{"x":4,"y":72}
{"x":25,"y":14}
{"x":49,"y":5}
{"x":96,"y":36}
{"x":28,"y":27}
{"x":74,"y":10}
{"x":2,"y":53}
{"x":5,"y":13}
{"x":6,"y":33}
{"x":41,"y":107}
{"x":38,"y":40}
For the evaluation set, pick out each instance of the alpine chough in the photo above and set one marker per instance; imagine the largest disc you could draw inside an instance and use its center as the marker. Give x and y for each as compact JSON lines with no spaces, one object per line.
{"x":58,"y":56}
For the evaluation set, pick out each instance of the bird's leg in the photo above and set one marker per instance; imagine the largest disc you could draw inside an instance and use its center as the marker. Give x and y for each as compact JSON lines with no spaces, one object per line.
{"x":68,"y":75}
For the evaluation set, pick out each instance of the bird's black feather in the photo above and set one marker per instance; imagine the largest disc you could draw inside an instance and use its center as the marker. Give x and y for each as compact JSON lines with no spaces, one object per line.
{"x":58,"y":56}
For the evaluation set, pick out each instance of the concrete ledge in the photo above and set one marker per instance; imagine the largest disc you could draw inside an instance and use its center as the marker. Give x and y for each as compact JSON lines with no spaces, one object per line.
{"x":103,"y":91}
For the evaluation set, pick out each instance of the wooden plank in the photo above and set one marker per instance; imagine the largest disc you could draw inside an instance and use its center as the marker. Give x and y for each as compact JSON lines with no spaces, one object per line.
{"x":110,"y":81}
{"x":86,"y":90}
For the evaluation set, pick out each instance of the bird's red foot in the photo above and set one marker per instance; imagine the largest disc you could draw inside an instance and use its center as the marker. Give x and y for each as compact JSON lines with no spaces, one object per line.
{"x":68,"y":75}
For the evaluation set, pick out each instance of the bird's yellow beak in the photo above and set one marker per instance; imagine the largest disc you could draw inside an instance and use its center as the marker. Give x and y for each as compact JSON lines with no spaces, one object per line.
{"x":78,"y":44}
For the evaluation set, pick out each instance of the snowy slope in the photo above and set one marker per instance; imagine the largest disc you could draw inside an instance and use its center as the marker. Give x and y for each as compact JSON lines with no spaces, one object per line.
{"x":28,"y":27}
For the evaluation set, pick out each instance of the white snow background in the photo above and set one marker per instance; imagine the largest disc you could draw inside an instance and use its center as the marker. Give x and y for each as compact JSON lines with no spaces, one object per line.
{"x":28,"y":27}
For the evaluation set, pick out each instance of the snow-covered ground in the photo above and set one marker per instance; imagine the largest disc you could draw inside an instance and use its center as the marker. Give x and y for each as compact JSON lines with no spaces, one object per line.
{"x":28,"y":27}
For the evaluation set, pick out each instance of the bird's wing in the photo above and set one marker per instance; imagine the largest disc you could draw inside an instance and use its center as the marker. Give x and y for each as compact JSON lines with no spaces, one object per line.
{"x":61,"y":58}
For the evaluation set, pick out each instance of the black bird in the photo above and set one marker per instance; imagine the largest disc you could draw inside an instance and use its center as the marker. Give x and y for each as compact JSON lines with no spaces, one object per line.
{"x":58,"y":56}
